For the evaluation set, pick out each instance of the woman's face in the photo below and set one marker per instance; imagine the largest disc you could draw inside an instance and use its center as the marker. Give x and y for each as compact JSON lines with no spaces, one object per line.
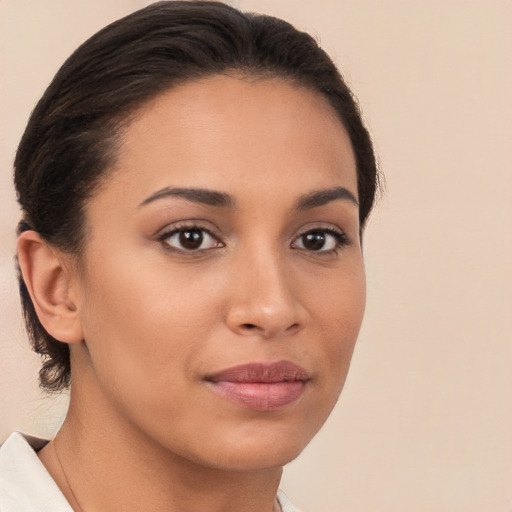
{"x":223,"y":287}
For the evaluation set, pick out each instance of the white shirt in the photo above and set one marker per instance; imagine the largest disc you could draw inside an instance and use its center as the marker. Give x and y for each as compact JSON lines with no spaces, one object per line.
{"x":26,"y":485}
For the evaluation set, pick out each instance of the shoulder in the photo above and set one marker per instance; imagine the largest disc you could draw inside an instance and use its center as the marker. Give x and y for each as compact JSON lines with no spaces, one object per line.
{"x":25,"y":485}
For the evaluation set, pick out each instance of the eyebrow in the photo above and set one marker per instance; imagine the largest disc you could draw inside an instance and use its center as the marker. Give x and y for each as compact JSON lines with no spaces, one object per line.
{"x":321,"y":197}
{"x":221,"y":199}
{"x":196,"y":195}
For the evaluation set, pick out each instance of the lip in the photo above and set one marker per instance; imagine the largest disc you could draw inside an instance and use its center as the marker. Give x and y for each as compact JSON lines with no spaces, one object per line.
{"x":261,"y":386}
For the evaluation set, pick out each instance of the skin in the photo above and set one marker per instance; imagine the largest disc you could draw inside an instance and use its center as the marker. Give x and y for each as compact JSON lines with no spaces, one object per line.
{"x":145,"y":430}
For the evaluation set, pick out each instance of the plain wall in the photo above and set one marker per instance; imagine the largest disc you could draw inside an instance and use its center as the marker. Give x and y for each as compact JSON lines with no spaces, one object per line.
{"x":425,"y":420}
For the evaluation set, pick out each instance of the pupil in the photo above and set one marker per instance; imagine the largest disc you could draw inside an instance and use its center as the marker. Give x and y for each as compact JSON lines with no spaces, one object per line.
{"x":314,"y":241}
{"x":191,"y":239}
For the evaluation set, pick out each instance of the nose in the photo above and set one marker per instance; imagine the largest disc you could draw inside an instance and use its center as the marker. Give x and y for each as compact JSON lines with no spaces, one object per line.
{"x":265,"y":301}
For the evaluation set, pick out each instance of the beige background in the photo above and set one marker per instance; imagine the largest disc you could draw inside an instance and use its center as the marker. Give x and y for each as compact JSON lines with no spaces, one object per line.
{"x":425,"y":421}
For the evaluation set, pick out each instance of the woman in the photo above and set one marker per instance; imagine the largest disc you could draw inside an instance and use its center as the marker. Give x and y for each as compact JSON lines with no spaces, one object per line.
{"x":194,"y":185}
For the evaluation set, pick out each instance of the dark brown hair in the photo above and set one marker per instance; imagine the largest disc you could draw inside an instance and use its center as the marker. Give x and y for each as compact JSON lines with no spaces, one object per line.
{"x":70,"y":140}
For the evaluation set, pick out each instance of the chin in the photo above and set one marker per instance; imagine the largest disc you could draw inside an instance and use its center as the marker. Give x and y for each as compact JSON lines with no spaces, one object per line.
{"x":260,"y":450}
{"x":258,"y":460}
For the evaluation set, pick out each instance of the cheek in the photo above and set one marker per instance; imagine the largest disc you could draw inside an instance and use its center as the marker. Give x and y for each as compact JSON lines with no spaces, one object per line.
{"x":127,"y":315}
{"x":339,"y":310}
{"x":144,"y":316}
{"x":141,"y":336}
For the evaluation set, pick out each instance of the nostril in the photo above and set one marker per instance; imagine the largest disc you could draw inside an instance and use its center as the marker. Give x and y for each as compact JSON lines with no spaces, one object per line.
{"x":249,"y":326}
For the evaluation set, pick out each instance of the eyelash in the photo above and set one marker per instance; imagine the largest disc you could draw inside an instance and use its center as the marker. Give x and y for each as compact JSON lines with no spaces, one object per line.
{"x":341,"y":239}
{"x":184,"y":229}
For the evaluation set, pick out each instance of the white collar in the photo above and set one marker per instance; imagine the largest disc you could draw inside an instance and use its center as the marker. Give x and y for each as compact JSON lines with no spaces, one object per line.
{"x":25,"y":484}
{"x":285,"y":503}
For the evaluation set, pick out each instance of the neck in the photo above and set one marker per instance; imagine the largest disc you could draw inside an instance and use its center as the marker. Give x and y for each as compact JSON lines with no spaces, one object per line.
{"x":103,"y":463}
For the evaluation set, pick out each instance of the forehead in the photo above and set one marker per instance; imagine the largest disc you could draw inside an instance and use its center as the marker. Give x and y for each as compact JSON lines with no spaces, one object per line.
{"x":224,"y":132}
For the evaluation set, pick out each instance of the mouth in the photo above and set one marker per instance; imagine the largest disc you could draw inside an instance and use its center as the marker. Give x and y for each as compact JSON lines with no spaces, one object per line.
{"x":261,"y":386}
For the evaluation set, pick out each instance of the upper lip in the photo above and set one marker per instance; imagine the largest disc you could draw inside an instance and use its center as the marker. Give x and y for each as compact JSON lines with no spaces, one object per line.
{"x":281,"y":371}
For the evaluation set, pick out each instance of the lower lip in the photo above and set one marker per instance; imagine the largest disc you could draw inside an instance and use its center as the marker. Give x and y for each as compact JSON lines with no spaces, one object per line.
{"x":261,"y":396}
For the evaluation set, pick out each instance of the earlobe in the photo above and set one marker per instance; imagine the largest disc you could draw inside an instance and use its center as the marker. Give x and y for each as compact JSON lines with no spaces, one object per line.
{"x":49,"y":283}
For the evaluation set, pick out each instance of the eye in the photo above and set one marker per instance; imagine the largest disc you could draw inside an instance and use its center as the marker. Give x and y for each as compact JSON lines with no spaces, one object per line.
{"x":321,"y":240}
{"x":190,"y":239}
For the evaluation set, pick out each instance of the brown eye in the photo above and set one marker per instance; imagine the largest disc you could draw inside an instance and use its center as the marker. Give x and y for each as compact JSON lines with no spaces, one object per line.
{"x":314,"y":240}
{"x":190,"y":239}
{"x":321,"y":240}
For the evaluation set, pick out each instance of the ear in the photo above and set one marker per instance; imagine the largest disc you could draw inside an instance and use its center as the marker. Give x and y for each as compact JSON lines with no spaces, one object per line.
{"x":49,"y":279}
